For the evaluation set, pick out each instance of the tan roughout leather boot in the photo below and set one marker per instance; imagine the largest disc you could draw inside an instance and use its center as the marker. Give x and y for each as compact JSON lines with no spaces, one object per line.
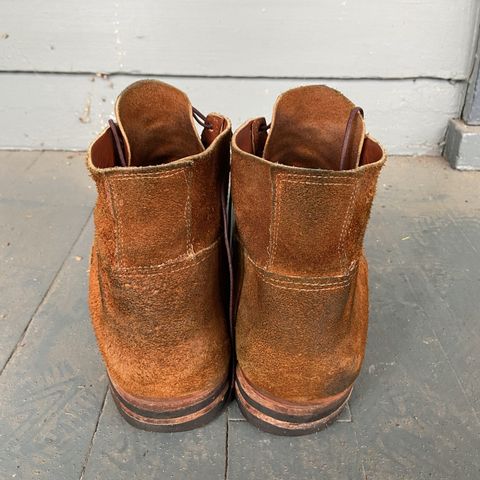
{"x":157,"y":275}
{"x":302,"y":196}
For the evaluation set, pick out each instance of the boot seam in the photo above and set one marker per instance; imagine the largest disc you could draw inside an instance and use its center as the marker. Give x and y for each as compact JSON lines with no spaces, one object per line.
{"x":346,"y":227}
{"x":118,"y":224}
{"x":278,"y":184}
{"x":289,"y":282}
{"x":188,"y":211}
{"x":186,"y":261}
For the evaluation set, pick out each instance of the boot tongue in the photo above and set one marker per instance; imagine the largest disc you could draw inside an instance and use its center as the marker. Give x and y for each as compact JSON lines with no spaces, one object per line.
{"x":156,"y":123}
{"x":309,"y":127}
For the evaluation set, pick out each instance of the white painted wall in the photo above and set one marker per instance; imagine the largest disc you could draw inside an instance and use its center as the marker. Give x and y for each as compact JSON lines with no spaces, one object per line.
{"x":405,"y":61}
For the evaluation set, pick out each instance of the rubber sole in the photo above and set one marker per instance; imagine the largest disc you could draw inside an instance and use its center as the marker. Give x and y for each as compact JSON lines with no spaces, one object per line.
{"x":171,"y":415}
{"x":275,"y":416}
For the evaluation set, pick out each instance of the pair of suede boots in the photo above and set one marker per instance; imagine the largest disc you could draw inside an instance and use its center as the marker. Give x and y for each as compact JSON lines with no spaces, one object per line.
{"x":192,"y":300}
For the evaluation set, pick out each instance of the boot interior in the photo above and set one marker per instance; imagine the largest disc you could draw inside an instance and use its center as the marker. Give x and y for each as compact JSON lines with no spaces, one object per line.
{"x":308,"y":130}
{"x":156,"y":125}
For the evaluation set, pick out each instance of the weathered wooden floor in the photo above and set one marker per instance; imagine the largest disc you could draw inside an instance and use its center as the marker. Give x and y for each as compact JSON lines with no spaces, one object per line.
{"x":415,"y":410}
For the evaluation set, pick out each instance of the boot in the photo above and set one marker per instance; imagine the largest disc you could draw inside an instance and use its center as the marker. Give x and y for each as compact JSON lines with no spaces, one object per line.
{"x":302,"y":196}
{"x":157,"y":278}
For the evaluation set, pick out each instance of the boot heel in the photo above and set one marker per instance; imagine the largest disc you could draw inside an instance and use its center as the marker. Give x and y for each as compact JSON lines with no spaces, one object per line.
{"x":284,"y":418}
{"x":171,"y":415}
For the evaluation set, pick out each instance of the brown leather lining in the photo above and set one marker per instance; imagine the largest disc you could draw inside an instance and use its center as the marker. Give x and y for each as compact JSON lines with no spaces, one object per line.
{"x":252,"y":137}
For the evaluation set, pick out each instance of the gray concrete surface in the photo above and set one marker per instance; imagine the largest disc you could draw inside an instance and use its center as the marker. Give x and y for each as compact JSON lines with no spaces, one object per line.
{"x":415,"y":410}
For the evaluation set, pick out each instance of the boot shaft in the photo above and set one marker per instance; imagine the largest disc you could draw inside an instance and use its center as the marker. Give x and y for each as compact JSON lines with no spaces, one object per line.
{"x":165,"y":204}
{"x":296,"y":213}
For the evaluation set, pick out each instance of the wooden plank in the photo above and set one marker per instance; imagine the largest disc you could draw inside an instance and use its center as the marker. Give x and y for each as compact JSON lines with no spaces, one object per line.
{"x":365,"y":38}
{"x":43,"y":210}
{"x":45,"y":201}
{"x":15,"y":164}
{"x":330,"y":454}
{"x":53,"y":388}
{"x":407,"y":116}
{"x":453,"y":316}
{"x":234,"y":413}
{"x":120,"y":451}
{"x":438,"y":229}
{"x":414,"y":411}
{"x":22,"y":291}
{"x":425,"y":196}
{"x":56,"y":178}
{"x":417,"y":401}
{"x":38,"y":237}
{"x":411,"y":416}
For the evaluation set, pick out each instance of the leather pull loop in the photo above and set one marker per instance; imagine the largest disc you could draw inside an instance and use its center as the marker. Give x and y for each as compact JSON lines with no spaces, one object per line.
{"x":347,"y":136}
{"x":201,"y":119}
{"x":117,"y":140}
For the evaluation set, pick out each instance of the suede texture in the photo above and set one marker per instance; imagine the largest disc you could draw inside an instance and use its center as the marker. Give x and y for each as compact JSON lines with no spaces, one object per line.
{"x":302,"y":278}
{"x":296,"y":138}
{"x":157,"y":276}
